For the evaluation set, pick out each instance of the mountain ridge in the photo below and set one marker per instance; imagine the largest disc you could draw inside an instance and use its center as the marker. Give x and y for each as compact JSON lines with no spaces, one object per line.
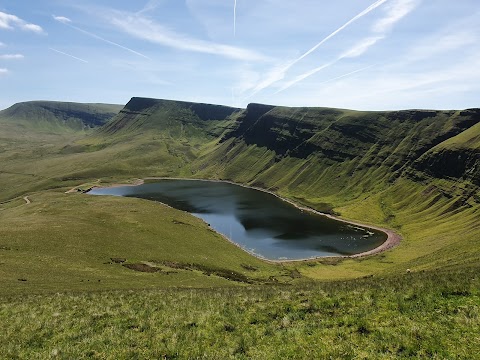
{"x":59,"y":116}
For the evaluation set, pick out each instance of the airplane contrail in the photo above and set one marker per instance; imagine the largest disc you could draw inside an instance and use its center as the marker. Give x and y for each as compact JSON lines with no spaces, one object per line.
{"x":348,"y":74}
{"x":348,"y":23}
{"x":64,"y":53}
{"x":314,"y":71}
{"x":66,"y":21}
{"x":235,"y":18}
{"x":107,"y":41}
{"x":280,"y":73}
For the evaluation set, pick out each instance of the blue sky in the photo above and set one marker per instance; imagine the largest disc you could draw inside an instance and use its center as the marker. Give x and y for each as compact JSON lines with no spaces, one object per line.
{"x":358,"y":54}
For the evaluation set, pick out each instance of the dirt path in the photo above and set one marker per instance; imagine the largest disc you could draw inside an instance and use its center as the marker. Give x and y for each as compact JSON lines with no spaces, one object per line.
{"x":27,"y":200}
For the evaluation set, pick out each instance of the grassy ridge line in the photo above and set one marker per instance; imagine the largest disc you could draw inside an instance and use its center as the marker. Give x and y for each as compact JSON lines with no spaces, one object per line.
{"x":423,"y":315}
{"x":54,"y":116}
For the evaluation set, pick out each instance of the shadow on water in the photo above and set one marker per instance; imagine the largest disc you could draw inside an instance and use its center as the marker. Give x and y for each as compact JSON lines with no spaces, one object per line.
{"x":257,"y":221}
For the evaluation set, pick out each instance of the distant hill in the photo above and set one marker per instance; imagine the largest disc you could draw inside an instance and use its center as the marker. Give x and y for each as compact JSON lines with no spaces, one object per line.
{"x":141,"y":114}
{"x":59,"y":116}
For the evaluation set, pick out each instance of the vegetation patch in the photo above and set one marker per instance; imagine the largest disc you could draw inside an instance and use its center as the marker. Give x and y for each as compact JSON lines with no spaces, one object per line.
{"x":208,"y":270}
{"x":142,"y":268}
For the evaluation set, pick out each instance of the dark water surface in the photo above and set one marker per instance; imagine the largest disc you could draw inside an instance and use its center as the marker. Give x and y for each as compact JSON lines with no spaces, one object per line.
{"x":257,"y":221}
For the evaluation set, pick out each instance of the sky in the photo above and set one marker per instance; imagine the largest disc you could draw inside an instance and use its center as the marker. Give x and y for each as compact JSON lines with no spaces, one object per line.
{"x":355,"y":54}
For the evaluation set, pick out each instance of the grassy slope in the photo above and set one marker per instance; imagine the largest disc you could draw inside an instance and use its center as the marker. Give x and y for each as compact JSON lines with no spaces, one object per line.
{"x":61,"y":241}
{"x":53,"y":116}
{"x":373,"y":179}
{"x":66,"y":241}
{"x":420,"y":315}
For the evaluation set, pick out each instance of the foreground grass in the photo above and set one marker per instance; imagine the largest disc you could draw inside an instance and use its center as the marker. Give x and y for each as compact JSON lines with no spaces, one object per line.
{"x":416,"y":315}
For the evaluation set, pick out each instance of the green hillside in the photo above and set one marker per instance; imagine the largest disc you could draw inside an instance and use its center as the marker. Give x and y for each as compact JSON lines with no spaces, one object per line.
{"x":100,"y":277}
{"x":382,"y":168}
{"x":54,"y":116}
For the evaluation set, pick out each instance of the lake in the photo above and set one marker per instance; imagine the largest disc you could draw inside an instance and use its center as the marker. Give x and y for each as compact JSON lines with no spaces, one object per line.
{"x":258,"y":222}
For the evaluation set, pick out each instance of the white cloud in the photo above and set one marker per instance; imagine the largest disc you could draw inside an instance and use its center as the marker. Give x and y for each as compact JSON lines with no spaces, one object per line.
{"x":279,"y":73}
{"x":11,"y":57}
{"x":10,"y":22}
{"x":62,"y":19}
{"x":3,"y":71}
{"x":395,"y":86}
{"x":151,"y":5}
{"x":2,"y":44}
{"x":394,"y":13}
{"x":442,"y":43}
{"x":361,"y":47}
{"x":146,"y":29}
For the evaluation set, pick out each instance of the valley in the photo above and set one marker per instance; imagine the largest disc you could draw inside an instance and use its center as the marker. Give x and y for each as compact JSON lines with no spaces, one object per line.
{"x":415,"y":172}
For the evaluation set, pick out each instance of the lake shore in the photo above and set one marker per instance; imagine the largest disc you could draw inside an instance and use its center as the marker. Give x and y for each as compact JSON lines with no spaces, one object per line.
{"x":393,"y":239}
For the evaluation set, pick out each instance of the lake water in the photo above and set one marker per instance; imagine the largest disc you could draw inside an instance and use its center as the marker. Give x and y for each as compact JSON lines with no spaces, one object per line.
{"x":257,"y":221}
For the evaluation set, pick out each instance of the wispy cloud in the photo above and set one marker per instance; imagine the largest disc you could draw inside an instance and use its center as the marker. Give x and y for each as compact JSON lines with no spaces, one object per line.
{"x":361,"y":47}
{"x":2,"y":44}
{"x":146,"y":29}
{"x":69,"y":55}
{"x":67,"y":21}
{"x":279,"y":73}
{"x":394,"y":13}
{"x":3,"y":71}
{"x":11,"y":22}
{"x":348,"y":74}
{"x":314,"y":71}
{"x":11,"y":56}
{"x":358,"y":49}
{"x":150,"y":6}
{"x":62,"y":19}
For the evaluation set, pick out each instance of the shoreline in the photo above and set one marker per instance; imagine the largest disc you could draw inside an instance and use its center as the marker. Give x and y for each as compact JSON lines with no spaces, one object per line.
{"x":393,"y":239}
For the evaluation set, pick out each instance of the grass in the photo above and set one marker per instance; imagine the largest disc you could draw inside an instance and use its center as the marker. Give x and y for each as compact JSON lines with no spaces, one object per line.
{"x":100,"y":277}
{"x":416,"y":315}
{"x":67,"y":242}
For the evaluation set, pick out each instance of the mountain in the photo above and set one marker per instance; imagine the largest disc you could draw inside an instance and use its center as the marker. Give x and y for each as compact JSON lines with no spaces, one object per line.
{"x":179,"y":117}
{"x":414,"y":171}
{"x":59,"y":116}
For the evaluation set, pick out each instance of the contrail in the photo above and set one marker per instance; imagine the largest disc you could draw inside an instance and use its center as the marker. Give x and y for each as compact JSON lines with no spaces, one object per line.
{"x":304,"y":76}
{"x":351,"y":21}
{"x":67,"y":21}
{"x":235,"y":18}
{"x":314,"y":71}
{"x":74,"y":57}
{"x":348,"y":74}
{"x":108,"y":41}
{"x":280,"y":74}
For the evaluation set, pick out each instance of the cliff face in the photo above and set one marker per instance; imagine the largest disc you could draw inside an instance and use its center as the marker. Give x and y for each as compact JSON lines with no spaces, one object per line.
{"x":142,"y":114}
{"x":344,"y":146}
{"x":371,"y":139}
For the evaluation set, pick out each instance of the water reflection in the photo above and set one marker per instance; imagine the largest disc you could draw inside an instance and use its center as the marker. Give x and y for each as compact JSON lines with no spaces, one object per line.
{"x":257,"y":221}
